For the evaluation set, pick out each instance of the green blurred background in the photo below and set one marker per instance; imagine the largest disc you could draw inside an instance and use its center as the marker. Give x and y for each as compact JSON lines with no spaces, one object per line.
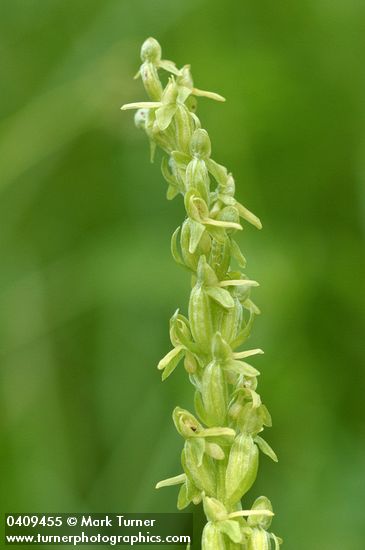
{"x":87,"y":284}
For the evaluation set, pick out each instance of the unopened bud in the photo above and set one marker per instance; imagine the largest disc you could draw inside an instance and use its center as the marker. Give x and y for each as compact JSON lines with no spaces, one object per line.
{"x":200,"y":144}
{"x":151,"y":50}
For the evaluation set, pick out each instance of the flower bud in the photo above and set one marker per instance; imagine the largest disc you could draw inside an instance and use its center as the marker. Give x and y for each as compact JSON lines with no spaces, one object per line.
{"x":264,"y":521}
{"x":183,"y":128}
{"x":151,"y":81}
{"x":140,"y":118}
{"x":259,"y":540}
{"x":252,"y":419}
{"x":212,"y":538}
{"x":220,"y":258}
{"x":200,"y":316}
{"x":214,"y":394}
{"x":200,"y":144}
{"x":185,"y":79}
{"x":220,"y":349}
{"x":190,"y":363}
{"x":198,"y":178}
{"x":241,"y":469}
{"x":214,"y":509}
{"x":200,"y":469}
{"x":151,"y":50}
{"x":179,"y":330}
{"x":231,"y":321}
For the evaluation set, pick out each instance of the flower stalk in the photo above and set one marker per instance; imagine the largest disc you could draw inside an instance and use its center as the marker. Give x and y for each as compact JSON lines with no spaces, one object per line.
{"x":220,"y":456}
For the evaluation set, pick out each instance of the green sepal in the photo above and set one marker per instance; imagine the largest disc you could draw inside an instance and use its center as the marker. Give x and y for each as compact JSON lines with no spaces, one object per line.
{"x":214,"y":509}
{"x":193,"y":493}
{"x":203,"y":476}
{"x":248,"y":216}
{"x":174,"y":248}
{"x":221,"y":351}
{"x":221,"y":296}
{"x":217,"y":233}
{"x":277,"y":541}
{"x":184,"y":93}
{"x":198,"y":448}
{"x":169,"y":363}
{"x":218,"y":172}
{"x":168,"y":66}
{"x":200,"y":144}
{"x":237,"y":254}
{"x":265,"y":448}
{"x":182,"y":498}
{"x":166,"y":172}
{"x":232,"y":529}
{"x":220,"y":257}
{"x":196,"y":231}
{"x":199,"y":407}
{"x":180,"y":158}
{"x":164,"y":116}
{"x":180,"y":334}
{"x":250,"y":306}
{"x":252,"y":419}
{"x":206,"y":274}
{"x":172,"y":192}
{"x":244,"y":333}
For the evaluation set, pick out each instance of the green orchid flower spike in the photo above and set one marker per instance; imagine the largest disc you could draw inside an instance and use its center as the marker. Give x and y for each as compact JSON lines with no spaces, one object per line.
{"x":222,"y":439}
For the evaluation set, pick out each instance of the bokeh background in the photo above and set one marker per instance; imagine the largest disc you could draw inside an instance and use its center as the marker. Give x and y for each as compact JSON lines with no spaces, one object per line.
{"x":87,"y":284}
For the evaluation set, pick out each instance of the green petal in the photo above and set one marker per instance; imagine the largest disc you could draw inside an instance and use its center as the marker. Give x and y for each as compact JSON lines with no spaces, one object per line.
{"x":176,"y":480}
{"x":164,"y":116}
{"x":214,"y":450}
{"x":169,"y":66}
{"x":174,"y":248}
{"x":248,"y":353}
{"x":239,"y":367}
{"x":239,"y":282}
{"x":276,"y":541}
{"x":166,"y":172}
{"x":219,"y":223}
{"x":141,"y":105}
{"x":210,"y":95}
{"x":222,"y":436}
{"x":184,"y":93}
{"x":172,"y":192}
